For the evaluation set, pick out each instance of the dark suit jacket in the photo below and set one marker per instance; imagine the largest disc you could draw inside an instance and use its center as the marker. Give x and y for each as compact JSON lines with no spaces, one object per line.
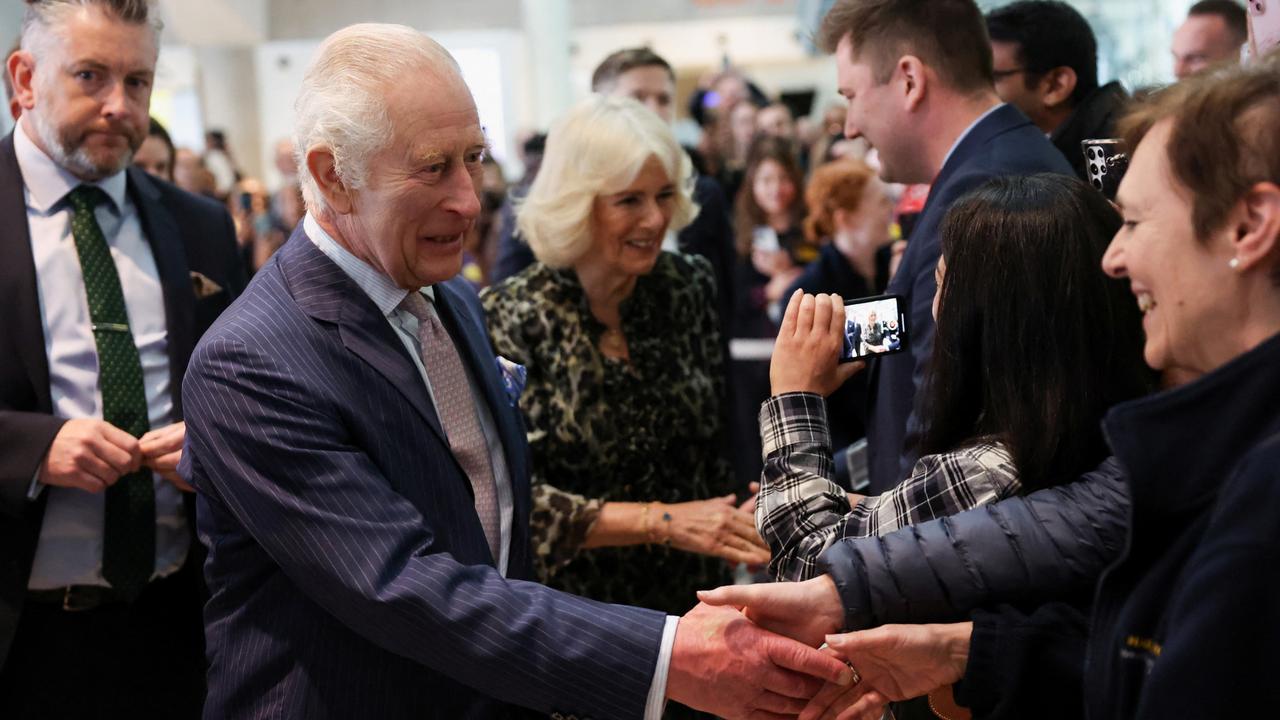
{"x":186,"y":233}
{"x":348,"y":571}
{"x":1004,"y":143}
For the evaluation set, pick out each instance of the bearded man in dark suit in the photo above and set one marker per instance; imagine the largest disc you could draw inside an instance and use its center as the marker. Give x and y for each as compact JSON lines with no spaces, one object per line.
{"x":109,"y":278}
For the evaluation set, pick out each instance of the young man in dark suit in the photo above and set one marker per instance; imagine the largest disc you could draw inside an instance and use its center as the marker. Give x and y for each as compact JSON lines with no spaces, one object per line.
{"x":109,"y":277}
{"x":918,"y":78}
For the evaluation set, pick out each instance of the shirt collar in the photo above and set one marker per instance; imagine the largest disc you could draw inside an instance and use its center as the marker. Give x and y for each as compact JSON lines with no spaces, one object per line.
{"x":47,"y":183}
{"x":968,"y":130}
{"x":381,"y":289}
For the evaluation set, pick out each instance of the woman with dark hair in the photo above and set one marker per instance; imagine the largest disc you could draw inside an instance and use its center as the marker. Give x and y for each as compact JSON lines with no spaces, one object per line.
{"x":767,"y":219}
{"x":156,"y":153}
{"x":772,"y":251}
{"x":1032,"y":345}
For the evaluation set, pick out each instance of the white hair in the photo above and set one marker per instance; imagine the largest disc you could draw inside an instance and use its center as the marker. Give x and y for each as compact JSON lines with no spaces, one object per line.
{"x":597,"y":148}
{"x":44,"y":16}
{"x":342,"y":105}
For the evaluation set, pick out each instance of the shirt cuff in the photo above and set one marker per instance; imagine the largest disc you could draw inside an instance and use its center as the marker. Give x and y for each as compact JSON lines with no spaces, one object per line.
{"x":793,"y":418}
{"x":33,"y":491}
{"x":657,"y":702}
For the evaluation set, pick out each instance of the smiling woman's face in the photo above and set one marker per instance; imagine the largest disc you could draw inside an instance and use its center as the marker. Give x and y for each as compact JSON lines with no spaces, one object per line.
{"x":1178,"y":281}
{"x":627,"y":227}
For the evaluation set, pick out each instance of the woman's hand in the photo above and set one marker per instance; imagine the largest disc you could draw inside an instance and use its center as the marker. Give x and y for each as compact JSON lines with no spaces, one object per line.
{"x":896,"y":662}
{"x":714,"y":527}
{"x":807,"y":611}
{"x":771,"y":262}
{"x":806,"y":357}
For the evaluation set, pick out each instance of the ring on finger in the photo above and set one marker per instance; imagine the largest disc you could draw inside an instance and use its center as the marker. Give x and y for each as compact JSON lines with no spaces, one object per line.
{"x":857,"y":676}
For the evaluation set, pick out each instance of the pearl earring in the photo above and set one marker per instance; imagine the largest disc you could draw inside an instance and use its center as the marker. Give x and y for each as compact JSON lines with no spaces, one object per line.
{"x":1233,"y":263}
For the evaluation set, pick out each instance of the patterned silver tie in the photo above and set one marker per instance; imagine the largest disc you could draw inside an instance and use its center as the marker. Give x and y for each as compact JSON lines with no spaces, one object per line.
{"x":456,"y":406}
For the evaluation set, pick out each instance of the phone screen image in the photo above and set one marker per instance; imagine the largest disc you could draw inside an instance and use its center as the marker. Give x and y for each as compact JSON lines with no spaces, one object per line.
{"x":1264,"y":16}
{"x":874,"y":326}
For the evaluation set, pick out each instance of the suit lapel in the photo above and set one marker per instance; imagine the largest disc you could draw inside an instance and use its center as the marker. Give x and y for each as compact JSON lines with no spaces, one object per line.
{"x":165,"y":240}
{"x":326,"y":293}
{"x":18,"y":277}
{"x":367,"y":335}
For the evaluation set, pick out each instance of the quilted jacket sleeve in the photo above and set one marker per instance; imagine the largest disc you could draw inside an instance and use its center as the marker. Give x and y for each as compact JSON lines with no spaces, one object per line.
{"x":1030,"y":548}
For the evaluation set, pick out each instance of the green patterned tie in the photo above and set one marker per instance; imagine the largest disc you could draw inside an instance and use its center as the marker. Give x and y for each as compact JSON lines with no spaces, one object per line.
{"x":129,"y":537}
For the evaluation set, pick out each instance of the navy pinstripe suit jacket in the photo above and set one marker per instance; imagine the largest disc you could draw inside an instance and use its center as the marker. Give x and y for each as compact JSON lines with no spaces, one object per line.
{"x":348,"y":571}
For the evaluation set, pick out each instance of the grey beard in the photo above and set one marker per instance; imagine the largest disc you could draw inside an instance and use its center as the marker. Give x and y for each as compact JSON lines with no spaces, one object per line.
{"x":73,"y":158}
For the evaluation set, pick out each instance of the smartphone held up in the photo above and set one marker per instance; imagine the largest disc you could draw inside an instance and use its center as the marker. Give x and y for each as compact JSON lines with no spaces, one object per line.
{"x":874,"y":326}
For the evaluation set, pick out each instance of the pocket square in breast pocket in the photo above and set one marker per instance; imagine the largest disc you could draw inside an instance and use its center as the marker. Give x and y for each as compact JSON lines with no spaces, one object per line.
{"x":202,"y":286}
{"x":513,"y":378}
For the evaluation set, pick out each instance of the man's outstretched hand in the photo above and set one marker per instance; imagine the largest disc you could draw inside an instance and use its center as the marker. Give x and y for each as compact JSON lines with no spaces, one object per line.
{"x":724,"y":664}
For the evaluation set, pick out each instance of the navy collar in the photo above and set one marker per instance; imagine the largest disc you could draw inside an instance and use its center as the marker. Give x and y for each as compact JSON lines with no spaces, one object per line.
{"x":1179,"y":446}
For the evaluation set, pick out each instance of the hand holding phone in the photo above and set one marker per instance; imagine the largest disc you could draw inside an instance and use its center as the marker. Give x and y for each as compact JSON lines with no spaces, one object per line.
{"x":805,"y":357}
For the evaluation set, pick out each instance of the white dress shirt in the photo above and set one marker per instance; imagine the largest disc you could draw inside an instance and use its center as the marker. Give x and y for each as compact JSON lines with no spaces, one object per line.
{"x":69,"y":551}
{"x":385,"y":294}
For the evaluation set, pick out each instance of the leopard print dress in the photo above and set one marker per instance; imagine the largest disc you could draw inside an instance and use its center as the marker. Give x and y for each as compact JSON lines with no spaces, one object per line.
{"x":603,"y":429}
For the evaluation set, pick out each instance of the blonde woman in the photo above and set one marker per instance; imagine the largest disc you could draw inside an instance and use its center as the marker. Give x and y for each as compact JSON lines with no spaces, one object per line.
{"x":625,"y":367}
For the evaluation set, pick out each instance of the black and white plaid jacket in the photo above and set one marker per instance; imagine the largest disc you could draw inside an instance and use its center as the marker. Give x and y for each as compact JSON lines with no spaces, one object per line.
{"x":801,"y":512}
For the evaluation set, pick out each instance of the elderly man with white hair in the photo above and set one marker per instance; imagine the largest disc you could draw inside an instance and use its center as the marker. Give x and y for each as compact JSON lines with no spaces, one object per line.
{"x":361,"y":464}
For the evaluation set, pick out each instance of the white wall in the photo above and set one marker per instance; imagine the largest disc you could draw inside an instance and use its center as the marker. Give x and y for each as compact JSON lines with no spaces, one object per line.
{"x":487,"y":59}
{"x":228,"y":91}
{"x":175,"y":99}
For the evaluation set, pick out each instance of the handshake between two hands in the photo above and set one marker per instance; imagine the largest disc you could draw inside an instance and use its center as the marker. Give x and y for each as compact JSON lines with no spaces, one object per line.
{"x":752,"y":651}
